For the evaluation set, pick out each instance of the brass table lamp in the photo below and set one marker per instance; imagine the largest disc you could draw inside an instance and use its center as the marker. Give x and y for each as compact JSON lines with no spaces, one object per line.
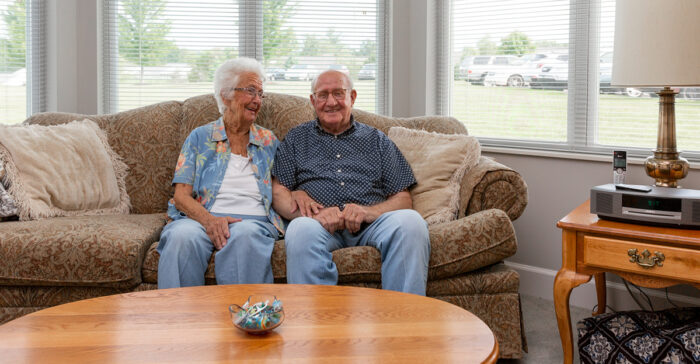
{"x":656,"y":44}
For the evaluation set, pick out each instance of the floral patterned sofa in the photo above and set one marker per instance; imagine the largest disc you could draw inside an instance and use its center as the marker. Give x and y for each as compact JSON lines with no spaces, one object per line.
{"x":59,"y":260}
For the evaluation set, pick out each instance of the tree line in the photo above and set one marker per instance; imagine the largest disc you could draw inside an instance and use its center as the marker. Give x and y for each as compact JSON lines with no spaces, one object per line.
{"x":143,"y":40}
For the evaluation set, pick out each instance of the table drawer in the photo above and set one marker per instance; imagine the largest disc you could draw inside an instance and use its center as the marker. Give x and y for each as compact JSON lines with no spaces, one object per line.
{"x":677,"y":263}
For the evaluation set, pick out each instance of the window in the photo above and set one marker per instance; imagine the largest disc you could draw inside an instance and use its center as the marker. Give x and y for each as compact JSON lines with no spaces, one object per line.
{"x":158,"y":50}
{"x":554,"y":93}
{"x":21,"y":59}
{"x":302,"y":38}
{"x":501,"y":48}
{"x":628,"y":117}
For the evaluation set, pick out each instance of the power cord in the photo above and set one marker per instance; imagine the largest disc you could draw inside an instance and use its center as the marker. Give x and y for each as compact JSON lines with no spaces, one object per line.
{"x":651,"y":307}
{"x":669,"y":299}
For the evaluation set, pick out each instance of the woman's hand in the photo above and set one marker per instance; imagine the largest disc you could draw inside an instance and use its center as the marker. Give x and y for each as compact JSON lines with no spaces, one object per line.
{"x":305,"y":204}
{"x":217,"y":229}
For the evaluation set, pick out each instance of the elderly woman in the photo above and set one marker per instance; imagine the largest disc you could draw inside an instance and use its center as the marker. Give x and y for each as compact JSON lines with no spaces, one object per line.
{"x":223,"y":192}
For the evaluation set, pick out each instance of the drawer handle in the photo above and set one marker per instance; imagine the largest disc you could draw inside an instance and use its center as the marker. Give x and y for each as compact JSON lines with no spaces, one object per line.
{"x":645,"y":259}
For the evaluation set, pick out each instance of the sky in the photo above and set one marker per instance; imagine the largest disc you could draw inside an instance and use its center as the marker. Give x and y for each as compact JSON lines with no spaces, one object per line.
{"x":213,"y":23}
{"x":199,"y":26}
{"x":541,"y":20}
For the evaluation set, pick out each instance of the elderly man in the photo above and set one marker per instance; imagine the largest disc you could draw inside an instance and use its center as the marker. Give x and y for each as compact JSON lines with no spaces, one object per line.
{"x":343,"y":183}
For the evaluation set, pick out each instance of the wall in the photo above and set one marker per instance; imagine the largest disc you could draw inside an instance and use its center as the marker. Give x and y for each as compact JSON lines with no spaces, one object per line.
{"x":556,"y":185}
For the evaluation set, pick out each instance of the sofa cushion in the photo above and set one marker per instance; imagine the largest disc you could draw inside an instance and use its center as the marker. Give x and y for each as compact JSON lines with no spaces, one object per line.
{"x":439,"y":161}
{"x":470,"y":243}
{"x":104,"y":251}
{"x":457,"y":247}
{"x":496,"y":278}
{"x":58,"y":179}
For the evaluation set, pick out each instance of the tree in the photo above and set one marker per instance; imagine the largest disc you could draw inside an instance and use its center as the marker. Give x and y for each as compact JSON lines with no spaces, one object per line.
{"x":368,"y":49}
{"x":486,"y":46}
{"x":13,"y":50}
{"x":142,"y":33}
{"x":516,"y":43}
{"x":332,"y":44}
{"x":205,"y":64}
{"x":277,"y":39}
{"x":311,"y":46}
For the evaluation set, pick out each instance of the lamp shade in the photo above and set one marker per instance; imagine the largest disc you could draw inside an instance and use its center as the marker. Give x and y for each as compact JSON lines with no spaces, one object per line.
{"x":657,"y":43}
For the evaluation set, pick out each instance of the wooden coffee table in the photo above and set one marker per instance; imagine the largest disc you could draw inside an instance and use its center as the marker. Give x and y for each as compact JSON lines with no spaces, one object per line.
{"x":322,"y":324}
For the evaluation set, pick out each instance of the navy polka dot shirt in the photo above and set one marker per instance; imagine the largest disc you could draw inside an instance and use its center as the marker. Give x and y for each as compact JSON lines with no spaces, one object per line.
{"x":361,"y":165}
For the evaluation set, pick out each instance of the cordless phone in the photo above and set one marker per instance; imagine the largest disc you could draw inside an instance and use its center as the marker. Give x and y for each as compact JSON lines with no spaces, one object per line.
{"x":619,"y":166}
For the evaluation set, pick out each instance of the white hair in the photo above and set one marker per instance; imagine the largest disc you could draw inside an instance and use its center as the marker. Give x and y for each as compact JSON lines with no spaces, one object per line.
{"x":226,"y":77}
{"x":315,"y":80}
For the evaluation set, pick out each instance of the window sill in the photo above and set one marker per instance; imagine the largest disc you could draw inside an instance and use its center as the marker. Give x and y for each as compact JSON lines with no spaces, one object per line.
{"x":569,"y":155}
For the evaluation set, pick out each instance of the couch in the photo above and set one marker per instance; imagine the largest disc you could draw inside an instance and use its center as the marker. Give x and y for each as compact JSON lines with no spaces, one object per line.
{"x":58,"y":260}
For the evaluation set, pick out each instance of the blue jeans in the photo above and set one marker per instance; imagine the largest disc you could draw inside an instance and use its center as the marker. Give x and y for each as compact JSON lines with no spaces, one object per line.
{"x":185,"y":249}
{"x":401,"y":236}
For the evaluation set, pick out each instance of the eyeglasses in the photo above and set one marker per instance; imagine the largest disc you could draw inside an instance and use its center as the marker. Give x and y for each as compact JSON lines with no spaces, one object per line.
{"x":251,"y":91}
{"x":338,"y":94}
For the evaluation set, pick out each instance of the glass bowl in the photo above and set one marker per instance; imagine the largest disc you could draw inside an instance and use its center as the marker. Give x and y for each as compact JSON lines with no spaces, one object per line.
{"x":259,"y":315}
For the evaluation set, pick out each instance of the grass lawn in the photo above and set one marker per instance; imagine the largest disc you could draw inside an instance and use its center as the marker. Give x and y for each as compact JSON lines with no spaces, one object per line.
{"x":504,"y":112}
{"x":146,"y":94}
{"x":525,"y":113}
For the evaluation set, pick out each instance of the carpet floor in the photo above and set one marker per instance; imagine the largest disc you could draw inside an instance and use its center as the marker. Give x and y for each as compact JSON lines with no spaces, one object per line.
{"x":542,"y":333}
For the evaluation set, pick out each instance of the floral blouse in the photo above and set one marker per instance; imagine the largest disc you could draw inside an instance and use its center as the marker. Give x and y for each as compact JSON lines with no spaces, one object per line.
{"x":205,"y":155}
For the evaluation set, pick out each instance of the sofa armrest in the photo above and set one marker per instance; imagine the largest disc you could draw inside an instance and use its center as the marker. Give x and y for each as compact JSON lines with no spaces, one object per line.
{"x":472,"y":242}
{"x":491,"y":185}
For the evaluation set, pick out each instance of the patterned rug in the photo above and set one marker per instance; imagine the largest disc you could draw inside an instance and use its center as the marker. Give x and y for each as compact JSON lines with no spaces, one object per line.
{"x":669,"y":336}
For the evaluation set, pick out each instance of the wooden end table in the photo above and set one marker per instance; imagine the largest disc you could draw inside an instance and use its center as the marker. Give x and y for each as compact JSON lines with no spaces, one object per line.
{"x":648,"y":256}
{"x":322,"y":324}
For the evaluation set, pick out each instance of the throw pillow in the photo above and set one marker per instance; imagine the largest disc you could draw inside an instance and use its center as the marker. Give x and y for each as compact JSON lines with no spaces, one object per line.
{"x":7,"y":204}
{"x":62,"y":170}
{"x":439,"y":161}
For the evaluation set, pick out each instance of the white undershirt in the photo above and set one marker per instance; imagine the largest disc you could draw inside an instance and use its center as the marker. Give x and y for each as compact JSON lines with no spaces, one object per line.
{"x":239,"y":193}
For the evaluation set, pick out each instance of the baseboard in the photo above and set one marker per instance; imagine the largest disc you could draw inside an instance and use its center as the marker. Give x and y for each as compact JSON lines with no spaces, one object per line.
{"x":539,"y":282}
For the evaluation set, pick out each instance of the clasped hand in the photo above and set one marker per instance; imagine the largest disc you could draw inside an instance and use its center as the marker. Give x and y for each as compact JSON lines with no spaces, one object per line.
{"x":332,"y":219}
{"x":351,"y":218}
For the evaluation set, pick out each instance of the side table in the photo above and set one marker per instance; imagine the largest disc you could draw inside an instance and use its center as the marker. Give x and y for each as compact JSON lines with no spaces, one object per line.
{"x":653,"y":257}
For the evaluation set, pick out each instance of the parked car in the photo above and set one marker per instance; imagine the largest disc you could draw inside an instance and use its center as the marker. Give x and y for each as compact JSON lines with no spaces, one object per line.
{"x":274,"y":74}
{"x":605,"y":78}
{"x":16,"y":78}
{"x":690,"y":93}
{"x":553,"y":74}
{"x":368,"y":72}
{"x":462,"y":68}
{"x":307,"y":72}
{"x":482,"y":65}
{"x":303,"y":72}
{"x":519,"y":72}
{"x":337,"y":67}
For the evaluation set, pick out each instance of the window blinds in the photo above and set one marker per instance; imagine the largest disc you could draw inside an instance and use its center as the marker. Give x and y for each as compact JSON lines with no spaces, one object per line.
{"x":168,"y":50}
{"x":628,"y":117}
{"x":537,"y":75}
{"x":500,"y":49}
{"x":22,"y":59}
{"x":156,"y":50}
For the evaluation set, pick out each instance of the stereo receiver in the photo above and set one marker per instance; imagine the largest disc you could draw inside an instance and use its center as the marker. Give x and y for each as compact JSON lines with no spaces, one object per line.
{"x":649,"y":205}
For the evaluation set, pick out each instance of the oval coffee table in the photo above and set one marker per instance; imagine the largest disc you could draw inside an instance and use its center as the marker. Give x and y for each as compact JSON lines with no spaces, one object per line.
{"x":322,"y":324}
